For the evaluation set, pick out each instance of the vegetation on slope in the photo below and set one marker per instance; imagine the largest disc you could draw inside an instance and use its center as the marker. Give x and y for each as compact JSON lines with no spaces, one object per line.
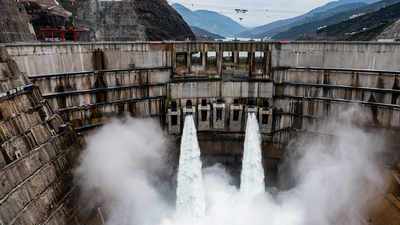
{"x":365,"y":27}
{"x":309,"y":30}
{"x":202,"y":34}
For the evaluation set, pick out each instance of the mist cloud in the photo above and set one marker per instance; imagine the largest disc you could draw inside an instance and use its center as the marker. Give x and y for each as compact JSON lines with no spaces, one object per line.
{"x":332,"y":179}
{"x":122,"y":162}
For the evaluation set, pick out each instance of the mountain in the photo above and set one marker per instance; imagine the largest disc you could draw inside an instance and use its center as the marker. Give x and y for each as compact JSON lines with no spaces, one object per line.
{"x":391,"y":32}
{"x":14,"y":23}
{"x":309,"y":30}
{"x":127,"y":20}
{"x":338,"y":14}
{"x":210,"y":21}
{"x":363,"y":28}
{"x":205,"y":35}
{"x":334,"y":4}
{"x":318,"y":13}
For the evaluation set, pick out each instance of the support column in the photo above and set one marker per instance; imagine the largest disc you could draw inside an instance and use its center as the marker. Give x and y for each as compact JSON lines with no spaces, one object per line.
{"x":265,"y":120}
{"x":173,"y":59}
{"x":189,"y":62}
{"x":251,"y":62}
{"x":219,"y":116}
{"x":267,"y":64}
{"x":235,"y":55}
{"x":204,"y":114}
{"x":235,"y":120}
{"x":174,"y":121}
{"x":219,"y":59}
{"x":204,"y":60}
{"x":174,"y":118}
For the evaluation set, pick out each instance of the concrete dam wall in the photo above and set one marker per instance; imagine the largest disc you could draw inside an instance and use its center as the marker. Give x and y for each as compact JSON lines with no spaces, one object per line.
{"x":290,"y":86}
{"x":89,"y":83}
{"x":38,"y":150}
{"x":293,"y":85}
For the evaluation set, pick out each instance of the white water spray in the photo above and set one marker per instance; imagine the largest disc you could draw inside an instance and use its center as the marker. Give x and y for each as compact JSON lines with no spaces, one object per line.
{"x":252,"y":176}
{"x":190,"y":199}
{"x":127,"y":179}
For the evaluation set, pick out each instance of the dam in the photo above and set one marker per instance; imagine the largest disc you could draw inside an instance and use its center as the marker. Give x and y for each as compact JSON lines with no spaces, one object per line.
{"x":55,"y":95}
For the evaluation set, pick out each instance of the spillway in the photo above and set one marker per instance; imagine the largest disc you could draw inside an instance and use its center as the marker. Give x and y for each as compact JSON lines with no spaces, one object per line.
{"x":190,"y":200}
{"x":252,"y":176}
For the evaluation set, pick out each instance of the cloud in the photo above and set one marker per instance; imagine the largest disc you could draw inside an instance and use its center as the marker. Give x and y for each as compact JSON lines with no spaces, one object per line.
{"x":122,"y":162}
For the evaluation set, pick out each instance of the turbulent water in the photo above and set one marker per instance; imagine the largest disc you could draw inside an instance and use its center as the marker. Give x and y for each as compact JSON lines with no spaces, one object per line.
{"x":190,"y":190}
{"x":252,"y":176}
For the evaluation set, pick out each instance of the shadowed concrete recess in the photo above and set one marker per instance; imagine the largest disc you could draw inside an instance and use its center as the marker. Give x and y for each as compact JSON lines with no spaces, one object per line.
{"x":290,"y":86}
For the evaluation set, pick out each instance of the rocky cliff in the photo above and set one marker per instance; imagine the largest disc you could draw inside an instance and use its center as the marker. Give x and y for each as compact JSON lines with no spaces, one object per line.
{"x":130,"y":20}
{"x":14,"y":23}
{"x":392,"y":32}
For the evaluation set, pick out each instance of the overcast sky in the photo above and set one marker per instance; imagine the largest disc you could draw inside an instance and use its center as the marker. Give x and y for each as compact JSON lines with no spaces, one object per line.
{"x":259,"y":11}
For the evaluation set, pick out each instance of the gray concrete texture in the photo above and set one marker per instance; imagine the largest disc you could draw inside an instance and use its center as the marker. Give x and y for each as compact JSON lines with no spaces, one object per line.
{"x":304,"y":83}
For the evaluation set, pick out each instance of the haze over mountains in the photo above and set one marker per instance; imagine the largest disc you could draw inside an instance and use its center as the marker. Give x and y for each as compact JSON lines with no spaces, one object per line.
{"x":317,"y":24}
{"x":202,"y":34}
{"x":327,"y":10}
{"x":210,"y":21}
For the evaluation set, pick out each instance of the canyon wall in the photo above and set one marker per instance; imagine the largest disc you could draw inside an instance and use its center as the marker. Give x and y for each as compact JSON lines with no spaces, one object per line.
{"x":14,"y":23}
{"x":130,"y":20}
